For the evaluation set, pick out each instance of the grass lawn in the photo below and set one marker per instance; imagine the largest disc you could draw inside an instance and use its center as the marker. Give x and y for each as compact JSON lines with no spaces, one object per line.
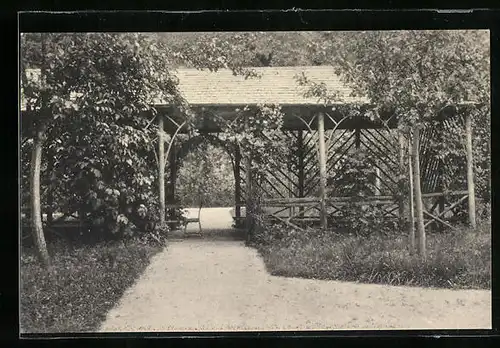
{"x":459,"y":259}
{"x":88,"y":281}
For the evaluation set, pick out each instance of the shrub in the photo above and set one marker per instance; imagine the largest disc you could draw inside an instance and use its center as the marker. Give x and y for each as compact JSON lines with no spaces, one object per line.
{"x":356,"y":179}
{"x":87,"y":282}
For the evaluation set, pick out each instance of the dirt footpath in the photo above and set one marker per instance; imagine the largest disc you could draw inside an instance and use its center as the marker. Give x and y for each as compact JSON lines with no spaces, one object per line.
{"x":206,"y":285}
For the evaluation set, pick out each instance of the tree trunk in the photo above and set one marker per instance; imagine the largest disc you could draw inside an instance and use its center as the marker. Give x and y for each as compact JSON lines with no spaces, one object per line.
{"x":36,"y":214}
{"x":418,"y":193}
{"x":50,"y":183}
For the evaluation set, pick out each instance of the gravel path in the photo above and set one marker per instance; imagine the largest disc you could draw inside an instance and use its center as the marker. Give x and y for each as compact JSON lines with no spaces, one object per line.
{"x":221,"y":285}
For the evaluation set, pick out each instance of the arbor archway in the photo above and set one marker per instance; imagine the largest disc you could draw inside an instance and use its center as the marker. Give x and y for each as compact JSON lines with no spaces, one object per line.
{"x":202,"y":171}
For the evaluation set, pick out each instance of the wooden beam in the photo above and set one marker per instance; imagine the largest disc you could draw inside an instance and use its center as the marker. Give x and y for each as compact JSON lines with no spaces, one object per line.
{"x":449,"y":208}
{"x":346,"y":142}
{"x":248,"y":185}
{"x":328,"y":200}
{"x":440,"y":220}
{"x":313,"y":177}
{"x":173,"y":177}
{"x":388,"y":154}
{"x":389,"y":141}
{"x":358,"y":137}
{"x":440,"y":175}
{"x":161,"y":168}
{"x":401,"y":202}
{"x":418,"y":193}
{"x":237,"y":180}
{"x":271,"y":185}
{"x":322,"y":167}
{"x":300,"y":154}
{"x":301,"y":213}
{"x":411,"y":225}
{"x":439,"y":194}
{"x":470,"y":170}
{"x":248,"y":188}
{"x":288,"y":223}
{"x":377,"y":181}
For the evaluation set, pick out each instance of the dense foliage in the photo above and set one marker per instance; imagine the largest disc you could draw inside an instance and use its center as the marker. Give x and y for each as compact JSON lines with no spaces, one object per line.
{"x":252,"y":49}
{"x":206,"y":177}
{"x":416,"y":75}
{"x":98,"y":136}
{"x":356,"y":180}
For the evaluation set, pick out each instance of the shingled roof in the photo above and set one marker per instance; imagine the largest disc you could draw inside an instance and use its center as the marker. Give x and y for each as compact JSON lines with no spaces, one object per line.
{"x":274,"y":85}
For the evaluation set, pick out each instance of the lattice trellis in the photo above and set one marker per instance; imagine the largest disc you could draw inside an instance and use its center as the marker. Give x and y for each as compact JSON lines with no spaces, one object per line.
{"x":293,"y":182}
{"x":434,"y":169}
{"x":290,"y":190}
{"x":381,"y":148}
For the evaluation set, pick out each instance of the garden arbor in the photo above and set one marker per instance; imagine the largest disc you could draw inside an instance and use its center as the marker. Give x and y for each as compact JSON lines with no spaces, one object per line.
{"x":303,"y":187}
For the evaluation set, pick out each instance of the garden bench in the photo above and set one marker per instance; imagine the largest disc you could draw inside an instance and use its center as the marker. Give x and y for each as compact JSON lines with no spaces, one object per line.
{"x":185,"y":221}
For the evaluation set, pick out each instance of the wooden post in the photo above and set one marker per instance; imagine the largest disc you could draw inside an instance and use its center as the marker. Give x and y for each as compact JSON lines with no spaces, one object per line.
{"x":402,"y":167}
{"x":411,"y":224}
{"x":237,"y":182}
{"x":173,"y":177}
{"x":440,"y":181}
{"x":377,"y":181}
{"x":322,"y":168}
{"x":300,"y":154}
{"x":248,"y":189}
{"x":357,"y":136}
{"x":418,"y":193}
{"x":161,"y":168}
{"x":470,"y":171}
{"x":291,"y":211}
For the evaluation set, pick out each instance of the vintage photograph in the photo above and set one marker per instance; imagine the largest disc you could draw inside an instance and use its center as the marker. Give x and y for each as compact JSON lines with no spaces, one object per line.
{"x":254,"y":181}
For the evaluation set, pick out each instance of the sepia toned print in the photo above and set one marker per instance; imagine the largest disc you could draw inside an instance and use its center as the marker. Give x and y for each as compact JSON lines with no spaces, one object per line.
{"x":255,"y":181}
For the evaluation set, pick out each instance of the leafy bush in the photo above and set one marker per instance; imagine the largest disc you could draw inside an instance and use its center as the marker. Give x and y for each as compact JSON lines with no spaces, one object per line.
{"x":355,"y":179}
{"x":459,"y":259}
{"x":98,"y":154}
{"x":88,"y":281}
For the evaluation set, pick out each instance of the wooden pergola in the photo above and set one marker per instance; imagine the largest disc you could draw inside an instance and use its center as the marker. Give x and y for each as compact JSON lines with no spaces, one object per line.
{"x":294,"y":191}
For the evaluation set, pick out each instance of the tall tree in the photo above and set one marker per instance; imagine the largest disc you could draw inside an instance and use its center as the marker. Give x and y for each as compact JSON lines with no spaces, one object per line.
{"x":414,"y":74}
{"x":253,"y":49}
{"x":92,"y":94}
